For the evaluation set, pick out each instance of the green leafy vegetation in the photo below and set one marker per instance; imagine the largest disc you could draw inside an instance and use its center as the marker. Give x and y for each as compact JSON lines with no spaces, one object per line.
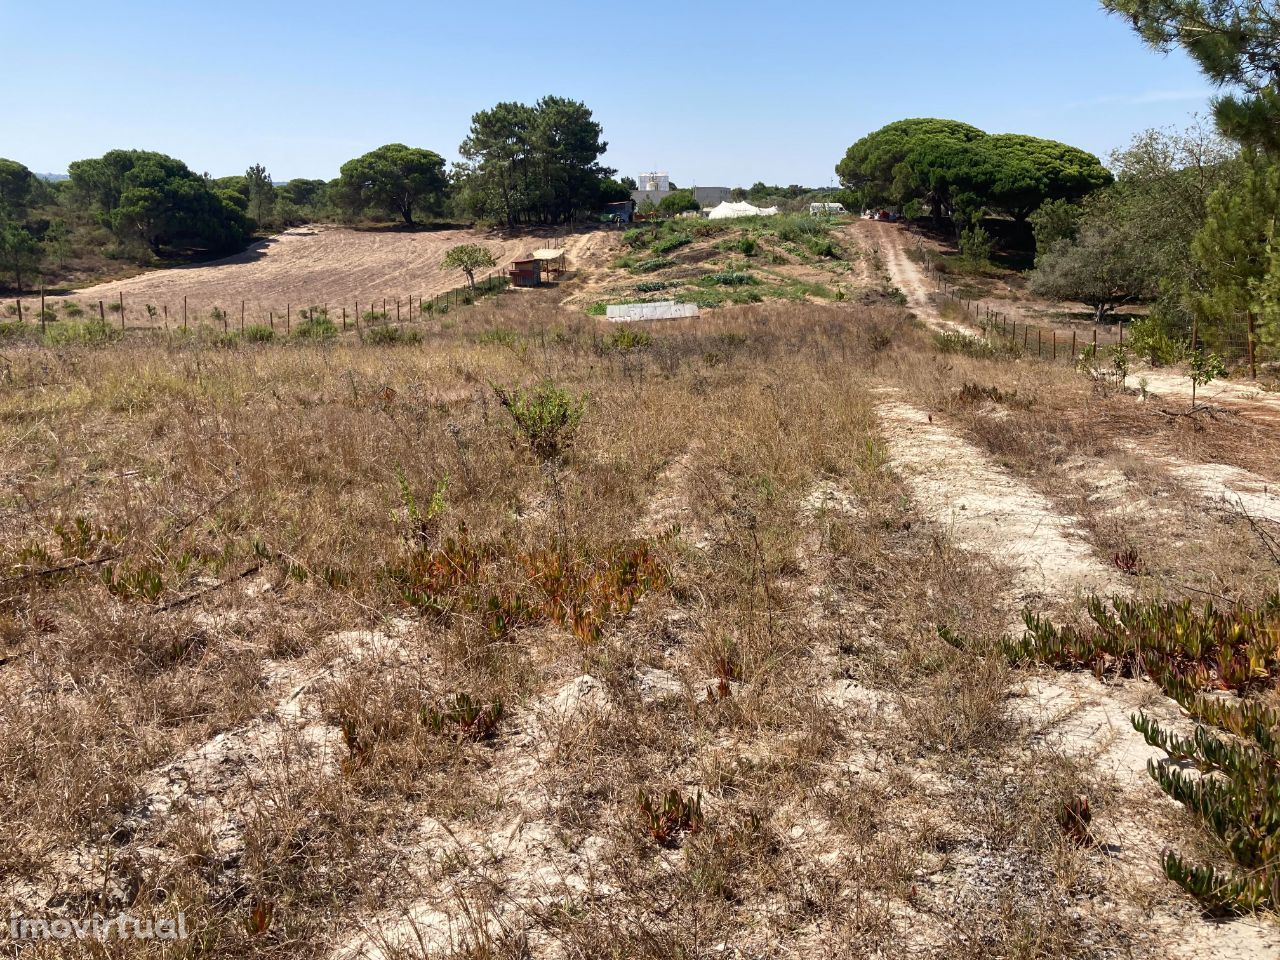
{"x":1228,"y":771}
{"x":546,"y":416}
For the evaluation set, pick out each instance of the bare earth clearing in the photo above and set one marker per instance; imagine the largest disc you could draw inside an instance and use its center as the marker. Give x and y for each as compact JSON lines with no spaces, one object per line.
{"x":322,"y":264}
{"x":308,"y":641}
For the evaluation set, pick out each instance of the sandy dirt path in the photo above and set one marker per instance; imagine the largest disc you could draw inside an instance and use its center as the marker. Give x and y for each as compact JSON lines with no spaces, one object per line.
{"x":321,"y":264}
{"x":989,"y":512}
{"x":891,"y":240}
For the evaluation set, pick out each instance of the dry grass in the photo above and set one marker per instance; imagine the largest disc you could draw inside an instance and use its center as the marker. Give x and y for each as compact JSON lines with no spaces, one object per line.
{"x":217,"y":699}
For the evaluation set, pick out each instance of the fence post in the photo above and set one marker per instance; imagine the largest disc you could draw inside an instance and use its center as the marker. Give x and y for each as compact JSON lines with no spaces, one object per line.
{"x":184,"y":314}
{"x":1055,"y":344}
{"x":166,"y":318}
{"x":19,"y":303}
{"x":242,"y":318}
{"x":1253,"y":362}
{"x":1038,"y":339}
{"x":344,"y":319}
{"x":1073,"y":344}
{"x":1025,"y":334}
{"x":288,"y":319}
{"x":122,"y":310}
{"x":224,"y":321}
{"x":397,"y":309}
{"x":42,"y":309}
{"x":271,"y":318}
{"x":1095,"y":339}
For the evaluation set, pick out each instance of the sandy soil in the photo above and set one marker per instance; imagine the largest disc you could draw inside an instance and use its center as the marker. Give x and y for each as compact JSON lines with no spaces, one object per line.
{"x":890,"y":239}
{"x":989,"y":511}
{"x":326,"y":264}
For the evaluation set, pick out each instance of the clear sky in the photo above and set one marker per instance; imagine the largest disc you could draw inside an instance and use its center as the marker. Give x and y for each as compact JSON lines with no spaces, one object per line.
{"x":717,"y":94}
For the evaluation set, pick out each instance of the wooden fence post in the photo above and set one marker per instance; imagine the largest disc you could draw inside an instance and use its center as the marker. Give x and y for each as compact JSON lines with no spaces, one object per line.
{"x":344,"y":319}
{"x":1073,"y":344}
{"x":288,"y":319}
{"x":42,"y":309}
{"x":242,"y":318}
{"x":102,"y":311}
{"x":122,"y":311}
{"x":1038,"y":339}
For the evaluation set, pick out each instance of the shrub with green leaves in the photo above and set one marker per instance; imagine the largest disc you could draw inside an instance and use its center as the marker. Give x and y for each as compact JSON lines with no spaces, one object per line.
{"x":547,"y":416}
{"x":730,"y":278}
{"x":90,"y":333}
{"x":667,"y":244}
{"x":653,"y":286}
{"x":1228,"y":771}
{"x":258,"y":333}
{"x":627,"y":338}
{"x":1154,"y":342}
{"x":391,"y":336}
{"x":316,"y":327}
{"x":652,"y":265}
{"x":598,"y":309}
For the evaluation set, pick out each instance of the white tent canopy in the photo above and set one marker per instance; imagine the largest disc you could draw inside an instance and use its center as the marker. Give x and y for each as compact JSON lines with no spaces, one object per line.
{"x":728,"y":211}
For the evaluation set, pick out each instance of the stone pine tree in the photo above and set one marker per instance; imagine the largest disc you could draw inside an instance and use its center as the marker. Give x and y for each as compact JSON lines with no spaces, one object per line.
{"x":1237,"y":45}
{"x":262,"y":193}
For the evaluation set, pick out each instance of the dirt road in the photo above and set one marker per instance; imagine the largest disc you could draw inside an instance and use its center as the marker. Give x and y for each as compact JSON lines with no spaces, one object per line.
{"x":890,"y":240}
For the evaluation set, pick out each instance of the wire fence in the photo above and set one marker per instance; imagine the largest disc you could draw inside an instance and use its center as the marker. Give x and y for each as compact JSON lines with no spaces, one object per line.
{"x":994,"y":321}
{"x":128,"y":316}
{"x":1236,"y":340}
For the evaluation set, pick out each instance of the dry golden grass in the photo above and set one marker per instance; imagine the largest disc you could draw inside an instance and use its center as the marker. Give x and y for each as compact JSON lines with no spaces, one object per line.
{"x":216,"y":694}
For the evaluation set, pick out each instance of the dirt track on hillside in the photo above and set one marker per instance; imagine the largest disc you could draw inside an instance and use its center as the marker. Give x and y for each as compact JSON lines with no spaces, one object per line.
{"x":325,"y":264}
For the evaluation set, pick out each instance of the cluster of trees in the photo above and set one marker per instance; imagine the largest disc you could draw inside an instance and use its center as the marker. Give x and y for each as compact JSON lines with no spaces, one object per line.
{"x":522,"y":164}
{"x":958,"y":171}
{"x":1192,"y":221}
{"x":534,"y":164}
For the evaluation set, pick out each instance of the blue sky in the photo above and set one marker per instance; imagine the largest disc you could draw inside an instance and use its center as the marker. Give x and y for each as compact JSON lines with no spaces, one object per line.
{"x":714,"y":93}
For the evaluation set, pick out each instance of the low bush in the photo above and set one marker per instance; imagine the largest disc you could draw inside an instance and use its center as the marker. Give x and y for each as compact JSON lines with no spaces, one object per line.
{"x":1228,"y":771}
{"x":258,"y":333}
{"x":89,"y":333}
{"x":315,"y":327}
{"x":667,"y":244}
{"x":547,"y":416}
{"x":391,"y":335}
{"x":651,"y":265}
{"x":729,"y":278}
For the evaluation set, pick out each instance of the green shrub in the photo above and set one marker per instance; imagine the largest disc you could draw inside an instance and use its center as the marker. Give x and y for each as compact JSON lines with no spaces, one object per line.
{"x":227,"y":341}
{"x":796,"y":229}
{"x":824,"y":247}
{"x":598,"y":309}
{"x":656,"y":263}
{"x":390,"y":335}
{"x":257,"y":333}
{"x":976,"y":246}
{"x":547,"y":417}
{"x":72,"y":309}
{"x":91,"y":332}
{"x":638,"y":237}
{"x":627,"y":338}
{"x":729,"y":278}
{"x":706,"y":299}
{"x":747,"y":246}
{"x":667,"y":244}
{"x":1151,"y":340}
{"x":316,"y":327}
{"x":12,"y":330}
{"x":653,"y":286}
{"x":1197,"y":655}
{"x":373,"y":316}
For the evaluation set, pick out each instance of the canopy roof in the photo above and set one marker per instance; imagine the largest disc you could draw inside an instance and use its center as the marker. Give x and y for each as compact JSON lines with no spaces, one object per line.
{"x":727,"y":210}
